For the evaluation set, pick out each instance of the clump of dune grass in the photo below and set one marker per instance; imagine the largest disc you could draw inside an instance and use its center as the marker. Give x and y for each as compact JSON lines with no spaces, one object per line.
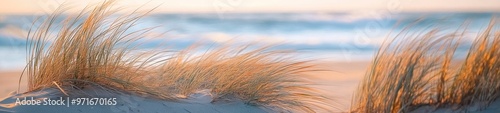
{"x":85,"y":50}
{"x":257,"y":76}
{"x":400,"y":74}
{"x":415,"y":69}
{"x":91,"y":48}
{"x":477,"y":79}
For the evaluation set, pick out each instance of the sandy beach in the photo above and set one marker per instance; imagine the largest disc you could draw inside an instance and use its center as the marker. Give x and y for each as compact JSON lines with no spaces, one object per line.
{"x":338,"y":84}
{"x":9,"y":82}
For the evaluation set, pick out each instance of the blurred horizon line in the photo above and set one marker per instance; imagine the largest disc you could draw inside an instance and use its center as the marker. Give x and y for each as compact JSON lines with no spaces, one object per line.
{"x":256,"y":6}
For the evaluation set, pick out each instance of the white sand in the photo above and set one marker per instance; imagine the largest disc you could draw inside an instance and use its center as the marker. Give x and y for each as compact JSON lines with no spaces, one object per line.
{"x":124,"y":103}
{"x":492,"y":108}
{"x":338,"y":85}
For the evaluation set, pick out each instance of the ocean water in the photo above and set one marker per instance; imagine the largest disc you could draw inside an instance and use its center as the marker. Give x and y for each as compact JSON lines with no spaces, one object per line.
{"x":327,"y":36}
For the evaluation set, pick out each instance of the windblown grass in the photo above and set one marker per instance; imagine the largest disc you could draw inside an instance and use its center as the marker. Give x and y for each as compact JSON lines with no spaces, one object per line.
{"x":416,"y":69}
{"x":259,"y":77}
{"x":478,"y":79}
{"x":90,"y":48}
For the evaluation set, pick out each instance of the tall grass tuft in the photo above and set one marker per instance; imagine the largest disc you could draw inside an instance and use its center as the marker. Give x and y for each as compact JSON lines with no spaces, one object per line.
{"x":93,"y":47}
{"x":477,"y":80}
{"x":257,"y":76}
{"x":415,"y":69}
{"x":87,"y":48}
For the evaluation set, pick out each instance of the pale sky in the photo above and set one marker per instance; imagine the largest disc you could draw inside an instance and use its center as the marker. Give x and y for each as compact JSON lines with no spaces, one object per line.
{"x":214,"y":6}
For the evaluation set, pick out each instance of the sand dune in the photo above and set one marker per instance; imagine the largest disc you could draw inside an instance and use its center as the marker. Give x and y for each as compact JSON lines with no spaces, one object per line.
{"x":123,"y":103}
{"x":338,"y":84}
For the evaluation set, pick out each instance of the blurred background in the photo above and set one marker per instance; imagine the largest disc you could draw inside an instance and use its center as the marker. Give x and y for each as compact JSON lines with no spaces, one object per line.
{"x":334,"y":30}
{"x":343,"y":31}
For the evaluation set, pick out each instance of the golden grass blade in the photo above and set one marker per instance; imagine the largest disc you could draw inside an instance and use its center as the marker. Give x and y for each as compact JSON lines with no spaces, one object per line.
{"x":92,"y":48}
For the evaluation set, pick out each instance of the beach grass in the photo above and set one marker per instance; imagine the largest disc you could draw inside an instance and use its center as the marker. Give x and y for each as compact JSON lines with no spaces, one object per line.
{"x":477,"y":79}
{"x":421,"y":68}
{"x":94,"y":48}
